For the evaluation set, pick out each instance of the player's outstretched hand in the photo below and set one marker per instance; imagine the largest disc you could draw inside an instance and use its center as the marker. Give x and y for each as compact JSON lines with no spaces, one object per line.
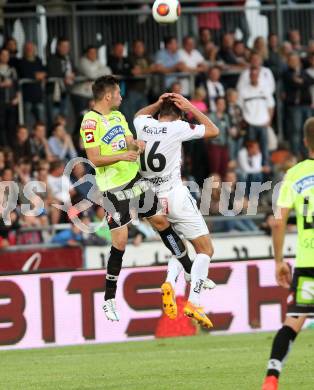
{"x":181,"y":102}
{"x":131,"y":155}
{"x":141,"y":145}
{"x":283,"y":274}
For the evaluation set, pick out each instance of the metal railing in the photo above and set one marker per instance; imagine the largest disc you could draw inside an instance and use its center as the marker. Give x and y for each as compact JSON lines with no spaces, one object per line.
{"x":103,"y":23}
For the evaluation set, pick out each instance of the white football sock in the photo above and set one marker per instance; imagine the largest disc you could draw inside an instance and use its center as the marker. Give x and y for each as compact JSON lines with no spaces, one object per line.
{"x":199,"y":273}
{"x":174,"y":269}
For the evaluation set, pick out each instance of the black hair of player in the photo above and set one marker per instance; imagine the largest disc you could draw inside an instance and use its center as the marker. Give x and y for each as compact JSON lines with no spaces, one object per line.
{"x":103,"y":85}
{"x":168,"y":108}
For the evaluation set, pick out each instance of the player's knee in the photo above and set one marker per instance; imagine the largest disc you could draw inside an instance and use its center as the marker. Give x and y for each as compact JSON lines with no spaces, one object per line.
{"x":295,"y":322}
{"x":159,"y":222}
{"x":120,"y":238}
{"x":204,"y":245}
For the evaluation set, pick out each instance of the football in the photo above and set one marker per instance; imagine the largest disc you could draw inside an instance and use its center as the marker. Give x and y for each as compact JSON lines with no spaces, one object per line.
{"x":166,"y":11}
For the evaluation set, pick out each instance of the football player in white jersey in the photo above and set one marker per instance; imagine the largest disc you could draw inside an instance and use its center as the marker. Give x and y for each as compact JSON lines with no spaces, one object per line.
{"x":161,"y":164}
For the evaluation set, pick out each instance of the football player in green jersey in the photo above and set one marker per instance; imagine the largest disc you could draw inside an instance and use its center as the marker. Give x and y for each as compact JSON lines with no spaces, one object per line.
{"x":296,"y":192}
{"x":111,"y":148}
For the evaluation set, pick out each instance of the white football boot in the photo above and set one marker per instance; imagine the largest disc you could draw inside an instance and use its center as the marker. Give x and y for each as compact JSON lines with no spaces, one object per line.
{"x":110,"y":309}
{"x":207,"y":285}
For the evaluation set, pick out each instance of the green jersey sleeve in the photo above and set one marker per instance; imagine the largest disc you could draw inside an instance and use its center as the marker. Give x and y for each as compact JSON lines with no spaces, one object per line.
{"x":287,"y":194}
{"x":90,"y":131}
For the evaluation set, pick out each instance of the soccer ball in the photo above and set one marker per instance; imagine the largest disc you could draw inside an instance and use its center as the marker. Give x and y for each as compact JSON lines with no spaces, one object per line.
{"x":166,"y":11}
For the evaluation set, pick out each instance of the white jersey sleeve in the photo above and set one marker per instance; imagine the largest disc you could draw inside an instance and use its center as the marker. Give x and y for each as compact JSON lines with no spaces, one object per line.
{"x":187,"y":131}
{"x":141,"y":121}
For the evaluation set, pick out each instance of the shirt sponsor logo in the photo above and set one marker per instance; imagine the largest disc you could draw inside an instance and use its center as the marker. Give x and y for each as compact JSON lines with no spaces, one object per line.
{"x":89,"y":137}
{"x":303,"y":184}
{"x":112,"y":133}
{"x":118,"y":145}
{"x":89,"y":124}
{"x":192,"y":126}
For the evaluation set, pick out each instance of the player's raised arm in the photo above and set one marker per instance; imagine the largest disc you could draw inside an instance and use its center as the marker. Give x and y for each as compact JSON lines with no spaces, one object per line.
{"x":153,"y":108}
{"x":93,"y":154}
{"x":211,"y":130}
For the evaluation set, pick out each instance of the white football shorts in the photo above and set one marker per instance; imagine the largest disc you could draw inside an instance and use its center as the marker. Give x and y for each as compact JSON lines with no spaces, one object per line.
{"x":182,"y":212}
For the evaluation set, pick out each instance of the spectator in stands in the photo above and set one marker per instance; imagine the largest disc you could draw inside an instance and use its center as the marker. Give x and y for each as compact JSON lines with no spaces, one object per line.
{"x":8,"y":232}
{"x":285,"y":51}
{"x":237,"y":130}
{"x":310,"y":72}
{"x":23,"y":171}
{"x":11,"y":45}
{"x":232,"y":204}
{"x":61,"y":144}
{"x":22,"y":148}
{"x":2,"y":161}
{"x":227,"y":55}
{"x":34,"y":236}
{"x":91,"y":68}
{"x":198,"y":101}
{"x":274,"y":60}
{"x":260,"y":47}
{"x":205,"y":38}
{"x":39,"y":143}
{"x":214,"y":191}
{"x":140,"y":62}
{"x":176,"y":87}
{"x":31,"y":67}
{"x":42,"y":178}
{"x":61,"y":189}
{"x":78,"y":178}
{"x":240,"y":52}
{"x":100,"y":218}
{"x":210,"y":54}
{"x":296,"y":84}
{"x":70,"y":237}
{"x":266,"y":78}
{"x":218,"y":153}
{"x":210,"y":20}
{"x":214,"y":87}
{"x":60,"y":65}
{"x":294,"y":38}
{"x":250,"y":164}
{"x":9,"y":157}
{"x":8,"y":99}
{"x":7,"y":174}
{"x":257,"y":104}
{"x":194,"y":63}
{"x":141,"y":65}
{"x":167,"y":60}
{"x":119,"y":64}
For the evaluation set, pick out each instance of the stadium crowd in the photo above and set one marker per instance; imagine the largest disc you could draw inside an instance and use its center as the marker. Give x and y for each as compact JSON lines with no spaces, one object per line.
{"x":233,"y":84}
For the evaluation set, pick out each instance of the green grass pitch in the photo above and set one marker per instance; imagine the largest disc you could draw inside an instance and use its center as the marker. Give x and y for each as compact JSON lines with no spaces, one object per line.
{"x":235,"y":362}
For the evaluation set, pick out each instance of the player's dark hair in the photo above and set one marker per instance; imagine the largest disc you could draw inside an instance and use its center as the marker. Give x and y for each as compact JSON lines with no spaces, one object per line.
{"x":168,"y":108}
{"x":102,"y":85}
{"x":309,"y":133}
